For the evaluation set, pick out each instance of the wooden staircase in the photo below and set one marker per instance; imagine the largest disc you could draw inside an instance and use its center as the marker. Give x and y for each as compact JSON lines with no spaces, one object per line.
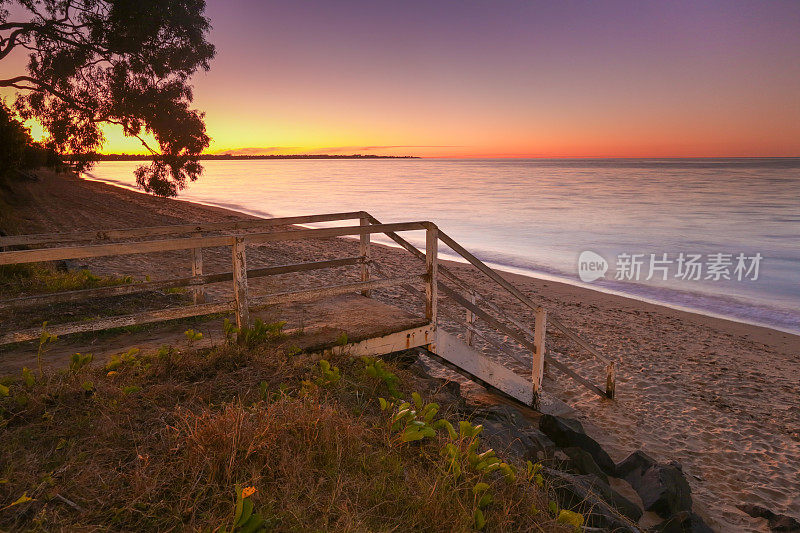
{"x":515,"y":337}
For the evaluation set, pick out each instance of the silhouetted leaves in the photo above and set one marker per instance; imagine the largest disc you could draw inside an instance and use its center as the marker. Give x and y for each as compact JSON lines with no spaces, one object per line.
{"x":125,"y":62}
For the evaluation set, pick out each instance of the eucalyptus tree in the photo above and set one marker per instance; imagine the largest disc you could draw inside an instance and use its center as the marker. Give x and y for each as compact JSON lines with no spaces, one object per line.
{"x":124,"y":62}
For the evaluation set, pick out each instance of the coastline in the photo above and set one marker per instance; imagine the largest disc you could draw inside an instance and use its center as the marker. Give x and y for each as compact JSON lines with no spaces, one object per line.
{"x":715,"y":394}
{"x":748,"y":309}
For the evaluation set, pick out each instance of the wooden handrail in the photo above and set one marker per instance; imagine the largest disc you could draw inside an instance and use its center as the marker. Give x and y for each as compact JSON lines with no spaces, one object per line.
{"x":194,"y":281}
{"x":187,"y":243}
{"x":480,"y":265}
{"x":155,"y":231}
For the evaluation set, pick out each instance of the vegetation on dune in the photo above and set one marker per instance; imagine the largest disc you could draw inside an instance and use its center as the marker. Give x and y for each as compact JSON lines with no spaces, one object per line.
{"x":39,"y":278}
{"x":251,"y":436}
{"x":45,"y":278}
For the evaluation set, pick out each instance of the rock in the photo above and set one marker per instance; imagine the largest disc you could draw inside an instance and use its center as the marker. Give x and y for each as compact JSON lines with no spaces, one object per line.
{"x":662,"y":487}
{"x":569,"y":433}
{"x":636,"y":463}
{"x":776,"y":522}
{"x":581,"y":462}
{"x":505,"y":428}
{"x":453,"y":388}
{"x":683,"y":522}
{"x":603,"y":506}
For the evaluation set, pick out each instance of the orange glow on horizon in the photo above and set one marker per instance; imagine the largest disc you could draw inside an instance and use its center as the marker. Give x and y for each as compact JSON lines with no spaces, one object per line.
{"x":529,"y":80}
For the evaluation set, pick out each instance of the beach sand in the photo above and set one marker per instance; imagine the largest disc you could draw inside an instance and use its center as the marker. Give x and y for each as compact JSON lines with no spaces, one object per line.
{"x":720,"y":397}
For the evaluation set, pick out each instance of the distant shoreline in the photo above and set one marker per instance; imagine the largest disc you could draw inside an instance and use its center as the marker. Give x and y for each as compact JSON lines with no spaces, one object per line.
{"x":232,"y":157}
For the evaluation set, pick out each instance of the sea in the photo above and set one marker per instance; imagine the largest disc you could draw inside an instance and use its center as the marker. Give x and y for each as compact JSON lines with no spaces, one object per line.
{"x":717,"y":236}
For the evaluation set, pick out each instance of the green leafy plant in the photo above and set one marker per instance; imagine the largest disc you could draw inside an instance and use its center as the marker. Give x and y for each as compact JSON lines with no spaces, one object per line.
{"x":119,"y":360}
{"x":293,"y":350}
{"x":329,"y":375}
{"x":192,"y":336}
{"x":267,"y":395}
{"x":130,"y":389}
{"x":245,"y":520}
{"x":552,"y":506}
{"x":532,"y":473}
{"x":165,"y":351}
{"x":79,"y":360}
{"x":341,"y":340}
{"x":45,"y":339}
{"x":27,"y":377}
{"x":483,"y":498}
{"x":230,"y":331}
{"x":3,"y":391}
{"x":376,"y":368}
{"x":570,"y":518}
{"x":410,"y":423}
{"x":260,"y":333}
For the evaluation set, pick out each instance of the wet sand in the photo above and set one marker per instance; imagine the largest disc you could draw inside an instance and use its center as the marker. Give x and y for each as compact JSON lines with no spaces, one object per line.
{"x":720,"y":397}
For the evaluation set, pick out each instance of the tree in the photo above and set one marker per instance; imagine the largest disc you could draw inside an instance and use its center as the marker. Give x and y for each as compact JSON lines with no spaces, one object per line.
{"x":124,"y":62}
{"x":18,"y":151}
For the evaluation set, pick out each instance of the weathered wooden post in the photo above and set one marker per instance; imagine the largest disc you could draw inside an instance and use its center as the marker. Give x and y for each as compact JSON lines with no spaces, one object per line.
{"x":539,"y":331}
{"x":611,"y":380}
{"x":240,"y":284}
{"x":432,"y":271}
{"x":198,"y":293}
{"x":471,"y":319}
{"x":363,"y":251}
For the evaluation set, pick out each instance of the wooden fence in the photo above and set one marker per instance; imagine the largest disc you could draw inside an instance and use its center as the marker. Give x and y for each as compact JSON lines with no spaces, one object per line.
{"x":190,"y":237}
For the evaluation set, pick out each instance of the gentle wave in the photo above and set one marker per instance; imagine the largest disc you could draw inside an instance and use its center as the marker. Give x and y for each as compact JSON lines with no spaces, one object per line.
{"x":536,"y":216}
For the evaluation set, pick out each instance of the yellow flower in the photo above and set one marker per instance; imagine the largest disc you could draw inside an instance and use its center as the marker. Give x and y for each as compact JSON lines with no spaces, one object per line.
{"x":248,"y":491}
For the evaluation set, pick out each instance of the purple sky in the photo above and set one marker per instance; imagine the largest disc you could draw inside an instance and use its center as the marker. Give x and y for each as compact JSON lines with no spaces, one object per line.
{"x":486,"y":78}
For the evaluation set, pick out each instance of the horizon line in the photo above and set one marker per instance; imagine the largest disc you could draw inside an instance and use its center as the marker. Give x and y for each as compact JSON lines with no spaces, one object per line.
{"x":410,"y":156}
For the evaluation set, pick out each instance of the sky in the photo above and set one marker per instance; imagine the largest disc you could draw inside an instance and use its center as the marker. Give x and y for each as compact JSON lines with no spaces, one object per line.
{"x":469,"y":78}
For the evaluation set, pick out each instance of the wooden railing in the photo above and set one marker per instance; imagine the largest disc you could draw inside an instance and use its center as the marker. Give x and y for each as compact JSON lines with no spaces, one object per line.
{"x":533,"y":340}
{"x":242,"y":300}
{"x":477,"y":305}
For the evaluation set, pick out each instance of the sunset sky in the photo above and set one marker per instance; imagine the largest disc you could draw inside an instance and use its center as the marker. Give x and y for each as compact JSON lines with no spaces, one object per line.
{"x":500,"y":79}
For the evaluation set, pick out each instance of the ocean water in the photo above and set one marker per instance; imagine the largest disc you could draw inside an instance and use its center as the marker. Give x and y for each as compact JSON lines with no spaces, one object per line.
{"x":736,"y":218}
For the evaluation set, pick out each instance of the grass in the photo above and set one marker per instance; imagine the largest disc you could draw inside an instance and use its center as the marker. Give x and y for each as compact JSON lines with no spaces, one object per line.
{"x":162,"y":440}
{"x":41,"y":278}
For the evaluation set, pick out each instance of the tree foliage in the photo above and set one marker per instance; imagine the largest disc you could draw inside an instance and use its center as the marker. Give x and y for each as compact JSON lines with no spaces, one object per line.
{"x":18,"y":151}
{"x":125,"y":62}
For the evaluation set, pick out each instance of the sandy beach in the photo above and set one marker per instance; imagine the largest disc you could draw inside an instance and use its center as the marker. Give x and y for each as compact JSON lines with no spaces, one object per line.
{"x":718,"y":396}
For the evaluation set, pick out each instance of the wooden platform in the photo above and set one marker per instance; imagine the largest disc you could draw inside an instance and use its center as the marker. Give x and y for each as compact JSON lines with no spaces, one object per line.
{"x":323,"y":322}
{"x":341,"y":316}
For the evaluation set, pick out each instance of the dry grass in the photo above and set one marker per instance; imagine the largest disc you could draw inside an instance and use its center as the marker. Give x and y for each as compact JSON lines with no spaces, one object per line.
{"x":160,"y":444}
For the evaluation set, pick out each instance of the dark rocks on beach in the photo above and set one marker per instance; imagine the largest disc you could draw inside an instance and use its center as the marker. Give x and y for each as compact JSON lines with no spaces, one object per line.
{"x":603,"y":506}
{"x":776,"y":522}
{"x":569,"y":433}
{"x":506,"y":427}
{"x":662,"y":487}
{"x":582,"y":462}
{"x":683,"y":522}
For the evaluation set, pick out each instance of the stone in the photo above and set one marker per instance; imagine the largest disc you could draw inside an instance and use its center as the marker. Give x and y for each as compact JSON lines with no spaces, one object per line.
{"x":581,"y":462}
{"x":603,"y":506}
{"x":683,"y":522}
{"x":776,"y":522}
{"x":508,"y":430}
{"x":569,"y":433}
{"x":662,"y":487}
